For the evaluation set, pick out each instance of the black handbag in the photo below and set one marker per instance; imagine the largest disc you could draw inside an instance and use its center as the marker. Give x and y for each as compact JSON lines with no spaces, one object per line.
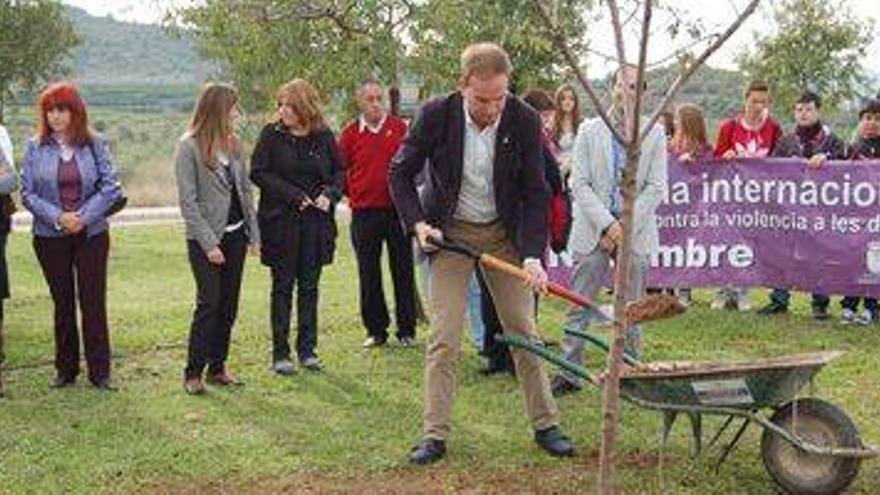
{"x":121,"y":201}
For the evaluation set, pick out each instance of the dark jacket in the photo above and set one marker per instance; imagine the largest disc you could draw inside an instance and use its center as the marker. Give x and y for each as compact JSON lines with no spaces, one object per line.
{"x":288,"y":169}
{"x":805,"y":145}
{"x":437,"y":136}
{"x":864,"y":149}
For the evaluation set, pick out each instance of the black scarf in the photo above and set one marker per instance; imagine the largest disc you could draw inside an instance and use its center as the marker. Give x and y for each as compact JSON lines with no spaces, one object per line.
{"x":811,"y":138}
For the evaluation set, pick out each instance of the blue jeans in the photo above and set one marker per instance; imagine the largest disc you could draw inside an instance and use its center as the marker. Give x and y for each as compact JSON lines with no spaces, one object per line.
{"x":478,"y":331}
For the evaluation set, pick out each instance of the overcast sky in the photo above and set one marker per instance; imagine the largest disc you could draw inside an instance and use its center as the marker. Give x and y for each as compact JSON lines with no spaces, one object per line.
{"x":715,"y":14}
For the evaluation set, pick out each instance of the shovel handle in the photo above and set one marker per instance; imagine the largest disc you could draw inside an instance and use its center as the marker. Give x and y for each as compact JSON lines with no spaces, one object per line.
{"x":552,"y":287}
{"x":494,"y":263}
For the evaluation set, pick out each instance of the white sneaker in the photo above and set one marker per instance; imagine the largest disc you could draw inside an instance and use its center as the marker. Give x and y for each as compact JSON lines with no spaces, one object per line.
{"x":866,"y":317}
{"x":284,"y":367}
{"x":373,"y":342}
{"x":847,"y":316}
{"x":744,"y":305}
{"x":719,"y":303}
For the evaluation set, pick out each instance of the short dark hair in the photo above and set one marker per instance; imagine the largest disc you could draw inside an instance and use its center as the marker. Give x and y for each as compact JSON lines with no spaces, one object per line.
{"x":759,"y":86}
{"x":810,"y":97}
{"x":871,"y":106}
{"x":539,"y":99}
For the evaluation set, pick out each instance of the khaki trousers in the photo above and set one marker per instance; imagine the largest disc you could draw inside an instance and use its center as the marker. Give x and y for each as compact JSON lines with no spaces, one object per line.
{"x":450,"y":273}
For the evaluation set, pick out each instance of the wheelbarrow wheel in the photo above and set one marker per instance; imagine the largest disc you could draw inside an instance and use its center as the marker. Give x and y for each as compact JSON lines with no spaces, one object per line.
{"x":797,"y":471}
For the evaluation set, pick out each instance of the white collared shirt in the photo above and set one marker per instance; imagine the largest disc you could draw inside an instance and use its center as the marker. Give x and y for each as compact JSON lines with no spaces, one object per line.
{"x":476,"y":199}
{"x":363,"y":124}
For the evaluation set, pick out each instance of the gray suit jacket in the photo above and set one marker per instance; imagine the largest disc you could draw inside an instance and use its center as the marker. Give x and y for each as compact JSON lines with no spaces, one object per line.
{"x":591,"y":184}
{"x":204,"y":196}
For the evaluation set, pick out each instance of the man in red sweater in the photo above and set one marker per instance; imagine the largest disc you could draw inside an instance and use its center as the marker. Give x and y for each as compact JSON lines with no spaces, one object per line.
{"x":367,"y":144}
{"x":751,"y":134}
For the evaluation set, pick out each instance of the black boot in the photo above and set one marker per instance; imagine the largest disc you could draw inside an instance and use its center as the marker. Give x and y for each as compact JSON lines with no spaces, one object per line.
{"x":428,"y":451}
{"x":554,"y":442}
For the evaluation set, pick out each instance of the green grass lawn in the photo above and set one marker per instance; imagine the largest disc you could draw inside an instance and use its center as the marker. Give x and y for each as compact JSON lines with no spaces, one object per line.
{"x":350,"y":428}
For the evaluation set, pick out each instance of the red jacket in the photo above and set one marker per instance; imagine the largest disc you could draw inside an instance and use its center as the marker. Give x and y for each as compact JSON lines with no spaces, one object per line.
{"x":747,"y":141}
{"x":366,"y":157}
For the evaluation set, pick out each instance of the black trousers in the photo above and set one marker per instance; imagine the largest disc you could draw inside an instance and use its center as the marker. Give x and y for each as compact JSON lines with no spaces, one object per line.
{"x":497,"y":354}
{"x":217,"y":290}
{"x":75,"y":267}
{"x":852,"y":303}
{"x":4,"y":284}
{"x":301,"y":271}
{"x":370,"y":228}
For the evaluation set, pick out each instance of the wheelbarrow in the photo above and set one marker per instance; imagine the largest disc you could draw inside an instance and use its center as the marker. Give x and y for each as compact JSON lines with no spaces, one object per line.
{"x":808,"y":445}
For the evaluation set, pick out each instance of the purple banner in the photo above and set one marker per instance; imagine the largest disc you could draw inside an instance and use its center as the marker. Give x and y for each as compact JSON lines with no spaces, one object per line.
{"x":768,"y":223}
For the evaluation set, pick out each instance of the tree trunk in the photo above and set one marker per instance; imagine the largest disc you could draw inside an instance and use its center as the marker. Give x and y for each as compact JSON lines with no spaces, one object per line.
{"x":611,"y":389}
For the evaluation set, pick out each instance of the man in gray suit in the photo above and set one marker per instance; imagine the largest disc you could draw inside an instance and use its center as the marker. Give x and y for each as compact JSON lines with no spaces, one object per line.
{"x":598,"y":162}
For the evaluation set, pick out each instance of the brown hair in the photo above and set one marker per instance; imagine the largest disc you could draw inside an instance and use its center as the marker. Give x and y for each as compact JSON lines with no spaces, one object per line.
{"x":64,"y":95}
{"x":539,"y":99}
{"x":576,"y":116}
{"x":210,"y":124}
{"x":484,"y":59}
{"x":759,"y":86}
{"x":304,"y":98}
{"x":691,"y":129}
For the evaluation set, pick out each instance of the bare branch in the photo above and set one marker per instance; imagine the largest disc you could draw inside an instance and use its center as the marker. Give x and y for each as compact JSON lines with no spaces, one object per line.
{"x":679,"y":52}
{"x":305,"y":11}
{"x":631,"y":15}
{"x":556,"y":35}
{"x":696,"y":64}
{"x":618,"y":31}
{"x":640,"y":74}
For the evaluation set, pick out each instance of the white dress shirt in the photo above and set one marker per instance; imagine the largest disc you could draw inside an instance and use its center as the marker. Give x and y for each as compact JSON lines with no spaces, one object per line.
{"x":476,"y":199}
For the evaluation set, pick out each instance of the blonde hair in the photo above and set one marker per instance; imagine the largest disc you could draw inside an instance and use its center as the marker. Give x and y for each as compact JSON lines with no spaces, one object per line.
{"x":304,"y":98}
{"x":691,"y":129}
{"x":484,"y":59}
{"x":210,"y":124}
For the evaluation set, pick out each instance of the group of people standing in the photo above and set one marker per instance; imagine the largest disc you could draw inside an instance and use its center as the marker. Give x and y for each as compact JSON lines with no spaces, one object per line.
{"x":479,"y":166}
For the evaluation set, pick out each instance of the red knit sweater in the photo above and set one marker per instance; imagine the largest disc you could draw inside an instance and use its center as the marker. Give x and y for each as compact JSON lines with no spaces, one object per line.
{"x":746,"y":141}
{"x":366,"y":157}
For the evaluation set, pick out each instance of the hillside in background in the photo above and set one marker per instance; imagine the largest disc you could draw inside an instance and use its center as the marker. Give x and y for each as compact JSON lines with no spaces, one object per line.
{"x":128,"y":65}
{"x":115,"y":52}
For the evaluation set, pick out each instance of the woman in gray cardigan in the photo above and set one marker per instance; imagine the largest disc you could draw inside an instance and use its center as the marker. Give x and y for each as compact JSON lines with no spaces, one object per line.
{"x":217,"y":208}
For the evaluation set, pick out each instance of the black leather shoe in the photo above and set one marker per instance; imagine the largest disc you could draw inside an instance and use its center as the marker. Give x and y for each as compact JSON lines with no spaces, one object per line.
{"x":105,"y":385}
{"x":62,"y":382}
{"x":554,"y":442}
{"x":560,"y":386}
{"x":428,"y":451}
{"x":773,"y":309}
{"x":820,"y":313}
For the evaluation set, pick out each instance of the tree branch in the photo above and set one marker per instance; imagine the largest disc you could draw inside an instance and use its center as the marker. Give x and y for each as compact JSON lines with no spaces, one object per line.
{"x":305,"y":11}
{"x":618,"y":31}
{"x":696,"y":64}
{"x":556,"y":35}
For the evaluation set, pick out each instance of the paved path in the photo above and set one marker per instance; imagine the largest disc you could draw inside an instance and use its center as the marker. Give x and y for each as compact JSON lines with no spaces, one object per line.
{"x":138,"y":215}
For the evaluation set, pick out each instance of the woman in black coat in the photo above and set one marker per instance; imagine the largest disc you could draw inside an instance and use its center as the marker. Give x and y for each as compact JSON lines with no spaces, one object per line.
{"x":297,"y":167}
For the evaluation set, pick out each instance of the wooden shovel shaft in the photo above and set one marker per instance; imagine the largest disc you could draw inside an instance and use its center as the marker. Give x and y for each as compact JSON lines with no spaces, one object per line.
{"x":552,"y":287}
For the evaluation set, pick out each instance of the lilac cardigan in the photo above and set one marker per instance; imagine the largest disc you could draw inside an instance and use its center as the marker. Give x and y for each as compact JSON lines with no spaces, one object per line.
{"x":39,"y":185}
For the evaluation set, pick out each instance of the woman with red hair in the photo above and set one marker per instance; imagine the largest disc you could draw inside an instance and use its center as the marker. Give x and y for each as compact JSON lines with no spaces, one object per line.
{"x":68,"y":184}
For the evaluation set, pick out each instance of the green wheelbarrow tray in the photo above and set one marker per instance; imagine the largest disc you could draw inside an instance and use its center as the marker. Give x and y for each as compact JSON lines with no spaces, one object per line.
{"x":808,"y":445}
